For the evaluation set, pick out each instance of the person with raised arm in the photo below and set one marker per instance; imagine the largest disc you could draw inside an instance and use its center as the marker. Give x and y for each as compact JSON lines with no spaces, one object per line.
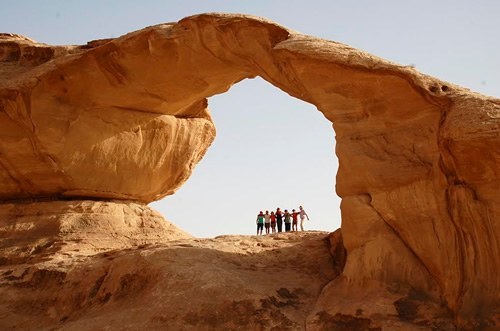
{"x":303,"y":216}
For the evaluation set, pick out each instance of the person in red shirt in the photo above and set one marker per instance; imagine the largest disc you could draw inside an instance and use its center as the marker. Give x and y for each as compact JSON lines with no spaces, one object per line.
{"x":273,"y":222}
{"x":295,"y":220}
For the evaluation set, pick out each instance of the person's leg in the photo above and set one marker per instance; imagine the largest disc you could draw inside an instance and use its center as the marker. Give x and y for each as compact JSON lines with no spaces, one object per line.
{"x":302,"y":225}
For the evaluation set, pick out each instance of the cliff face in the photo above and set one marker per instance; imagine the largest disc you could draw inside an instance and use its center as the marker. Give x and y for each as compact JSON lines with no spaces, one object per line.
{"x":419,"y":158}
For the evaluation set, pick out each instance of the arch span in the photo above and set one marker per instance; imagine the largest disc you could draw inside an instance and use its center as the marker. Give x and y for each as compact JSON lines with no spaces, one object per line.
{"x":128,"y":119}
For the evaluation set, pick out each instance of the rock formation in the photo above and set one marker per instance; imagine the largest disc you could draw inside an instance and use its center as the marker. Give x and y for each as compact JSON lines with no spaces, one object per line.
{"x":226,"y":283}
{"x":33,"y":231}
{"x":126,"y":119}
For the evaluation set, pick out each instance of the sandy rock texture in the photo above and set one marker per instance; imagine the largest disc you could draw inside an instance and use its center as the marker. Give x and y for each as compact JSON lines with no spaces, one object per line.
{"x":419,"y":158}
{"x":226,"y":283}
{"x":73,"y":125}
{"x":30,"y":231}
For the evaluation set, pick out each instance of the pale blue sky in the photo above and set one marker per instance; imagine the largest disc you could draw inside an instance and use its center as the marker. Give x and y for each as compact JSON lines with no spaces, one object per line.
{"x":271,"y":149}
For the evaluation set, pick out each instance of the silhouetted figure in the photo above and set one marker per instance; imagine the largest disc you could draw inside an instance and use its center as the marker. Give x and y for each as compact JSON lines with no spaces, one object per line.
{"x":279,"y":220}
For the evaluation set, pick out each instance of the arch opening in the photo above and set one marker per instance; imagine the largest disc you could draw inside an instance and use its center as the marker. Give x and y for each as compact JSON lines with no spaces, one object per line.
{"x":271,"y":150}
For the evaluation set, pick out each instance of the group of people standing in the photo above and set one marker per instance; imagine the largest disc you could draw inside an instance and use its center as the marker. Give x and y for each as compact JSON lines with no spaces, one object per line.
{"x":276,"y":219}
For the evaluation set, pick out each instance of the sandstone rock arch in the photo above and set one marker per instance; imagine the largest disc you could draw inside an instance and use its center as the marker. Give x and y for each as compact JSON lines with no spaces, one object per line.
{"x":127,"y":119}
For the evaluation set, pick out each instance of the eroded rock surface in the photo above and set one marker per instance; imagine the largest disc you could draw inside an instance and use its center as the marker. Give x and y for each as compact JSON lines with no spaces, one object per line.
{"x":419,"y":158}
{"x":33,"y":231}
{"x":64,"y":134}
{"x":226,"y":283}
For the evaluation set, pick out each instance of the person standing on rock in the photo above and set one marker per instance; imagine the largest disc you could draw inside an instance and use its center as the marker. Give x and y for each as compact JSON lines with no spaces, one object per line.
{"x":267,"y":221}
{"x":279,"y":220}
{"x":303,"y":216}
{"x":287,"y":220}
{"x":295,"y":219}
{"x":273,"y":221}
{"x":260,"y":223}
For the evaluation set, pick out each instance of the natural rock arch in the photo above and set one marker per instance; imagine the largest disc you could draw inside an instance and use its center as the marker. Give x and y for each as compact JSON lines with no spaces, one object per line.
{"x":418,"y":157}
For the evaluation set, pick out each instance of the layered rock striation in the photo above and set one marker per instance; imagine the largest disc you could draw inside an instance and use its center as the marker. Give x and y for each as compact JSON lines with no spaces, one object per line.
{"x":127,"y":119}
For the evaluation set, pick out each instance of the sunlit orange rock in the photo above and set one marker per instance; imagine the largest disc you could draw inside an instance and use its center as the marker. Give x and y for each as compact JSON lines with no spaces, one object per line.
{"x":419,"y":158}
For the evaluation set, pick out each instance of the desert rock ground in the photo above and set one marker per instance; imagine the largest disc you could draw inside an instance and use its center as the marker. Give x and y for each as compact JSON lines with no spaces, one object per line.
{"x":224,"y":283}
